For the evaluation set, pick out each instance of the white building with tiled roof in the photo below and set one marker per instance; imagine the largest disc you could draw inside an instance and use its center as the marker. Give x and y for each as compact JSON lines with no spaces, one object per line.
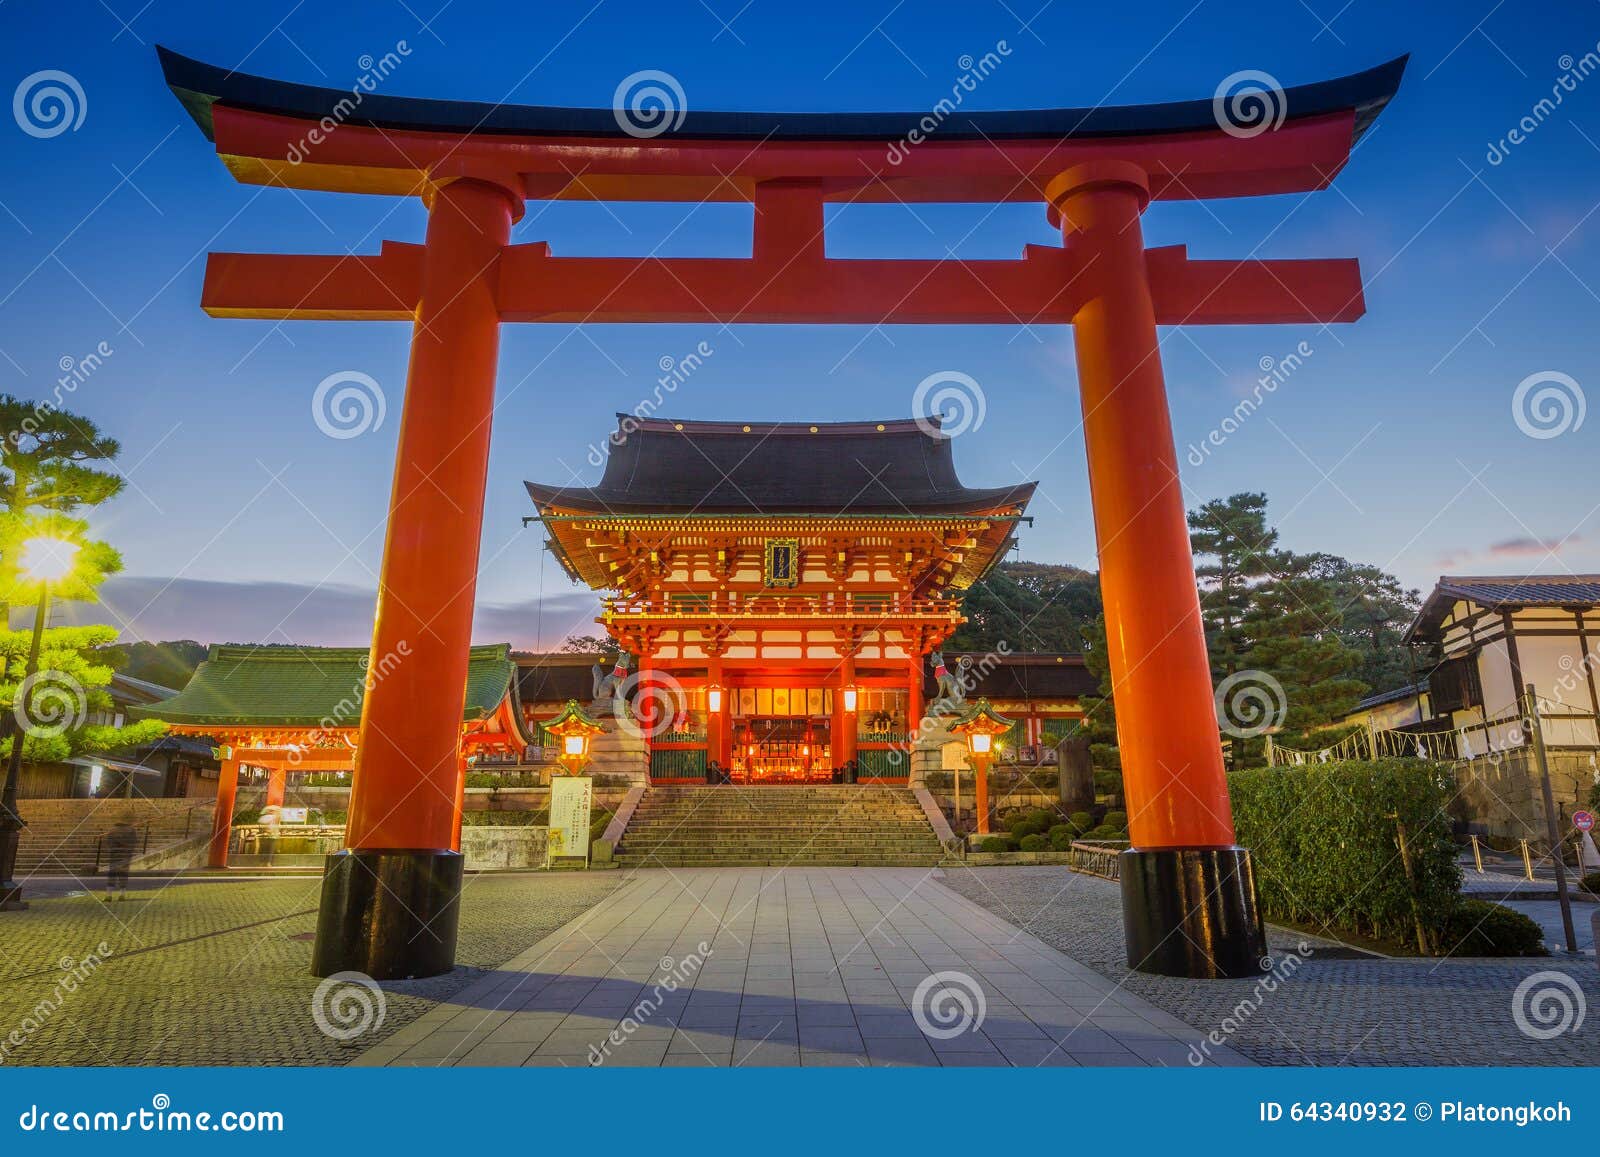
{"x":1498,"y":634}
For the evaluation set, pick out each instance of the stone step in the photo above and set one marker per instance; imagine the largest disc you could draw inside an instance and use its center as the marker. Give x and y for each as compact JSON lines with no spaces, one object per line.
{"x":823,"y":824}
{"x":632,"y":861}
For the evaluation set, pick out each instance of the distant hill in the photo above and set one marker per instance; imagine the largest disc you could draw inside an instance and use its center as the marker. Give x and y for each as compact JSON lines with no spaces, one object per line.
{"x":170,"y":664}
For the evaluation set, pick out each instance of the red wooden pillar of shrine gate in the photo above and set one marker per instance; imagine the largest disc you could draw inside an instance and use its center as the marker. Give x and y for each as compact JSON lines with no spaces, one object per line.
{"x":222,"y":817}
{"x":914,"y":704}
{"x":461,"y":798}
{"x":716,"y":720}
{"x":1189,"y":896}
{"x":843,"y":739}
{"x":277,"y":783}
{"x":390,"y":901}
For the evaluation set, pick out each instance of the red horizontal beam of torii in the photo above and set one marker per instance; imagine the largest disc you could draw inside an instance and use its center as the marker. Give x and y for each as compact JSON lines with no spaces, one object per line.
{"x":1189,"y":898}
{"x":1045,"y":287}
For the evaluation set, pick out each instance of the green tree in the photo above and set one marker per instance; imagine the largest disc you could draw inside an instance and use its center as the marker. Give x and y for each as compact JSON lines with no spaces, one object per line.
{"x":1232,"y":544}
{"x":52,"y":467}
{"x":1029,"y":606}
{"x":585,"y":645}
{"x":1375,"y":611}
{"x":68,"y":706}
{"x":1099,"y":711}
{"x":1294,"y":629}
{"x":169,"y":664}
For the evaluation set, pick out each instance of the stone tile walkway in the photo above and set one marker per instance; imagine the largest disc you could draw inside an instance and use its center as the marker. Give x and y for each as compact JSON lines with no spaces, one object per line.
{"x":816,"y":966}
{"x":218,"y":971}
{"x":1334,"y":1009}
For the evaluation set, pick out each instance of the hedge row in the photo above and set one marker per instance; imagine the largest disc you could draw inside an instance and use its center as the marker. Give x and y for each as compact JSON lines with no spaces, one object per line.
{"x":1325,"y":847}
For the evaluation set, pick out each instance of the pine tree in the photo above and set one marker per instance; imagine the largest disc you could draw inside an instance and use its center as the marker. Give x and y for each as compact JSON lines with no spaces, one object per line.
{"x":1233,"y":535}
{"x":50,"y":471}
{"x":1375,"y":611}
{"x":1294,"y":629}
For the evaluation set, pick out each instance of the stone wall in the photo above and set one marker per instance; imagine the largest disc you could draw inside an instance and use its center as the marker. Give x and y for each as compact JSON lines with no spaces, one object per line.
{"x":1501,"y":794}
{"x":487,"y":849}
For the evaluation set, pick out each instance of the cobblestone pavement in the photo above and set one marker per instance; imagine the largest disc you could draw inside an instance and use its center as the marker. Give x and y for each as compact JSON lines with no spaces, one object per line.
{"x":797,"y":966}
{"x":218,"y":973}
{"x":1329,"y":1011}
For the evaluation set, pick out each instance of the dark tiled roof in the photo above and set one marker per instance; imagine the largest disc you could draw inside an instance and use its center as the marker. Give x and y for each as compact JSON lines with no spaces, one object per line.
{"x":1530,"y":591}
{"x":126,"y":690}
{"x":199,"y":86}
{"x":555,"y":678}
{"x":1503,"y":591}
{"x":304,"y":686}
{"x":1023,"y":676}
{"x":1394,"y":696}
{"x":657,"y":466}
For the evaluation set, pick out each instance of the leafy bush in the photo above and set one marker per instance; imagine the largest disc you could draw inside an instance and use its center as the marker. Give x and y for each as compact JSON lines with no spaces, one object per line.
{"x":1103,"y":832}
{"x":504,"y":819}
{"x":1479,"y":928}
{"x":1061,"y":838}
{"x":1082,"y":821}
{"x":1065,"y":830}
{"x":1105,"y":755}
{"x":1324,"y":841}
{"x":1115,"y":819}
{"x":1030,"y":823}
{"x":996,"y":844}
{"x":502,"y":779}
{"x":1034,"y":843}
{"x":1591,"y":883}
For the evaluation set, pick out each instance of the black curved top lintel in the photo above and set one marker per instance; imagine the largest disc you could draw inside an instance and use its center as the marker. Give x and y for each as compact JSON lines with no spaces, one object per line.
{"x":199,"y":86}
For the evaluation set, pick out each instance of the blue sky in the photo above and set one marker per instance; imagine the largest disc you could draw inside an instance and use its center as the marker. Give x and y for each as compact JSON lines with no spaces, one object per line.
{"x":1395,"y":442}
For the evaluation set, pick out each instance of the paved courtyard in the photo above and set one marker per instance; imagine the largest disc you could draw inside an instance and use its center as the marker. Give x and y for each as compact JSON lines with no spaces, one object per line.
{"x":203,"y":972}
{"x":1336,"y":1008}
{"x":802,"y":966}
{"x":812,"y":966}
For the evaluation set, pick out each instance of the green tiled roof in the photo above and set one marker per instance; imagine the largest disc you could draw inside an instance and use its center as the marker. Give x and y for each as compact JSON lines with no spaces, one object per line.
{"x":309,"y":686}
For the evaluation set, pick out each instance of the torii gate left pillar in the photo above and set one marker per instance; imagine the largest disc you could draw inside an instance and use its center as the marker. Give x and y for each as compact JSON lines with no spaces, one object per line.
{"x":390,"y":901}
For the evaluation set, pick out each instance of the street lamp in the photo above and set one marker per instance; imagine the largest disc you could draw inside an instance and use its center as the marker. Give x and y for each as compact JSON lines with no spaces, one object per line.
{"x":44,"y":560}
{"x":980,"y":724}
{"x":573,"y":729}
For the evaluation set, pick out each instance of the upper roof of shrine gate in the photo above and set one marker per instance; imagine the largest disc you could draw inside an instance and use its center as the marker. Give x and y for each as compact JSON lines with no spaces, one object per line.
{"x":271,"y":131}
{"x":663,"y":466}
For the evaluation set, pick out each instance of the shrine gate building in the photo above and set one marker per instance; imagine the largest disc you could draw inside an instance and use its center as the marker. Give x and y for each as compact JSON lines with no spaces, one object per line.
{"x":781,"y":585}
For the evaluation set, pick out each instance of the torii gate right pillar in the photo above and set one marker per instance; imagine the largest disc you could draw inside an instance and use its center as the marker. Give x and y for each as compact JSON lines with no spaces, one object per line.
{"x":1188,"y":892}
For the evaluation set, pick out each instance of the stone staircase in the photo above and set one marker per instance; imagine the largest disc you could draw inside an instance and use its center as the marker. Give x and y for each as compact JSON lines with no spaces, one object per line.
{"x":778,"y":826}
{"x":61,"y":834}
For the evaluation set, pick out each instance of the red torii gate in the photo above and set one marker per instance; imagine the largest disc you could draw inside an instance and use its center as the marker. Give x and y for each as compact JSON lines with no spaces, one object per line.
{"x":389,"y":904}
